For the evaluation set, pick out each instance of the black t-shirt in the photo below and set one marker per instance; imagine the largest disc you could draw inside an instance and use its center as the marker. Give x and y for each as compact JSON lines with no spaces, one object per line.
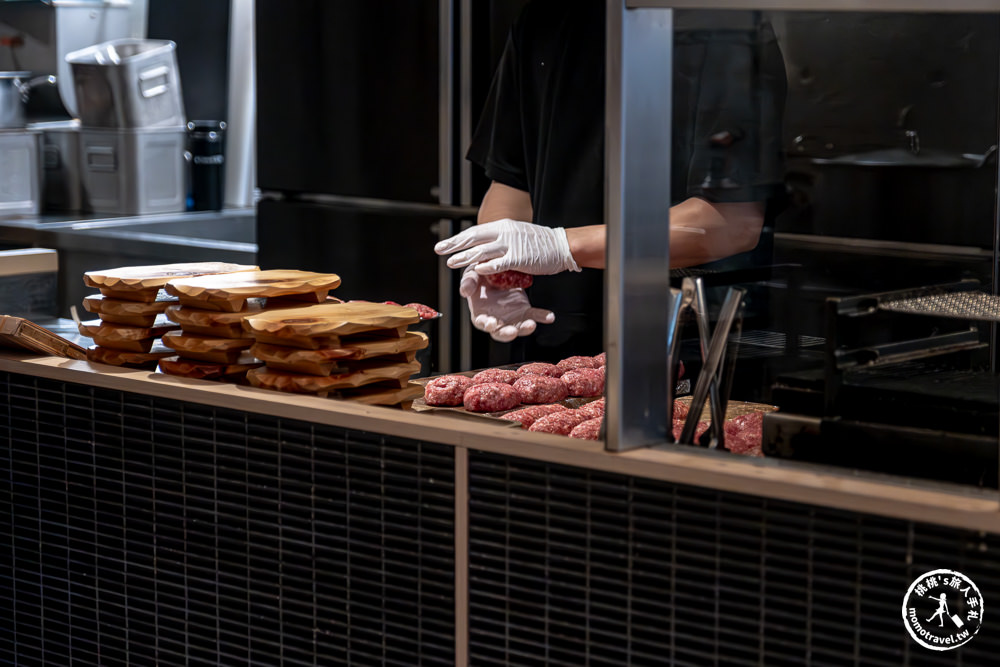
{"x":542,"y":131}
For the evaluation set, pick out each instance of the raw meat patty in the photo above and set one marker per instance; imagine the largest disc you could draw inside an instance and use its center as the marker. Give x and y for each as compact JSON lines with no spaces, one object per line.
{"x":540,"y":389}
{"x":509,"y":280}
{"x":571,"y":363}
{"x":540,"y":368}
{"x":588,"y":430}
{"x":679,"y":428}
{"x":745,"y":433}
{"x":425,"y":312}
{"x":601,"y":359}
{"x":446,"y":390}
{"x":560,"y":423}
{"x":528,"y":416}
{"x":584,"y":382}
{"x":490,"y":397}
{"x":494,"y":375}
{"x":594,"y":408}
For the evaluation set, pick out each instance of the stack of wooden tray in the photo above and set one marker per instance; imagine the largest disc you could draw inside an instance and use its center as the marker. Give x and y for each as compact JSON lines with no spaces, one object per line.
{"x":130,"y":310}
{"x":212,"y":343}
{"x":355,"y":351}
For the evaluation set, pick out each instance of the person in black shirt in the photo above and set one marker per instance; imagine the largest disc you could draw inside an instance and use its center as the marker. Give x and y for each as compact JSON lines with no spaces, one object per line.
{"x":540,"y":141}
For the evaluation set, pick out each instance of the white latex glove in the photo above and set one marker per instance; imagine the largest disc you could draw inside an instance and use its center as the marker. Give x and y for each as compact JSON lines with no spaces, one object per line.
{"x":510,"y":245}
{"x":504,"y":314}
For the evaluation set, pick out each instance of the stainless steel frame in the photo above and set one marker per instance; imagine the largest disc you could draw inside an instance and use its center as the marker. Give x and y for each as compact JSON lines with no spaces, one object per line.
{"x":950,"y":6}
{"x":637,"y":282}
{"x":446,"y":148}
{"x":638,"y":106}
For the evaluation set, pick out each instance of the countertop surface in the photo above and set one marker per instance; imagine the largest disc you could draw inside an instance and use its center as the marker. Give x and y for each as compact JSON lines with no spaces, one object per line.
{"x":785,"y":480}
{"x":81,"y":221}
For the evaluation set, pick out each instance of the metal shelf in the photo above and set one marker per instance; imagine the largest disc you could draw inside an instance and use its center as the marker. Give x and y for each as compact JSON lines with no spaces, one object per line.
{"x":978,"y":306}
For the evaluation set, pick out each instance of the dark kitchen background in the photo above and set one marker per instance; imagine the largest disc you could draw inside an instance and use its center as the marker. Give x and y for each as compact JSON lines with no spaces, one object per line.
{"x":364,"y":112}
{"x":359,"y":175}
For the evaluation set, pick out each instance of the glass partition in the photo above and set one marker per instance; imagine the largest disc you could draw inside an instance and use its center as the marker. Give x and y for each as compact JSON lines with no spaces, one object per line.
{"x":837,"y":172}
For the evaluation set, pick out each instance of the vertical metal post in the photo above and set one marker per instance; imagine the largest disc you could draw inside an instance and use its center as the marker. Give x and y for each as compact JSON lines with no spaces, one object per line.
{"x":465,"y":127}
{"x":637,"y":182}
{"x":446,"y":175}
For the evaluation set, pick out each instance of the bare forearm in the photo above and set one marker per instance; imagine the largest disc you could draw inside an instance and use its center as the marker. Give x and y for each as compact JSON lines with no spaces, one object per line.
{"x":502,"y":201}
{"x":700,"y":232}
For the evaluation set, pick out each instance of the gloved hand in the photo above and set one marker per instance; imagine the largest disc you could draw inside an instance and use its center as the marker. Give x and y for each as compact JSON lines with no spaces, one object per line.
{"x":510,"y":245}
{"x":504,"y":314}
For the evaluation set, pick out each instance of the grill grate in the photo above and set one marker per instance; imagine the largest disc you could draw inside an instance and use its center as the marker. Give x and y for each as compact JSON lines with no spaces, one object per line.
{"x":225,"y":539}
{"x":574,"y":567}
{"x":964,"y":305}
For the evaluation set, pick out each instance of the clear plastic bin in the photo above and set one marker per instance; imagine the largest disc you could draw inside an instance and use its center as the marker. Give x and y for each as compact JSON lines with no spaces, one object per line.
{"x":128,"y":83}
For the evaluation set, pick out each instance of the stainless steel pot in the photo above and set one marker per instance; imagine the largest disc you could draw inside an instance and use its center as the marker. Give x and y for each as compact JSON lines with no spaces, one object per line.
{"x":901,"y":194}
{"x":15,"y":88}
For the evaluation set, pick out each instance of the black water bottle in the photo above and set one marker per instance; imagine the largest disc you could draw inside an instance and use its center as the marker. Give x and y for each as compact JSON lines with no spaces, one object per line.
{"x":206,"y":141}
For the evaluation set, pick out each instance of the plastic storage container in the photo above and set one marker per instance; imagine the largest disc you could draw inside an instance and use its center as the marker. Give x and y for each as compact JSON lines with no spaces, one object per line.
{"x":20,"y":172}
{"x":133,"y":171}
{"x":128,"y":83}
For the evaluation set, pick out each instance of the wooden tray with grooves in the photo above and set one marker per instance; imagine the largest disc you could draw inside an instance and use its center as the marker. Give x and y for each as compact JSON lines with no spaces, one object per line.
{"x":323,"y":386}
{"x":129,"y":313}
{"x":206,"y":370}
{"x":203,"y":348}
{"x":230,"y":292}
{"x":108,"y":355}
{"x":143,"y":283}
{"x":332,"y":319}
{"x":21,"y":334}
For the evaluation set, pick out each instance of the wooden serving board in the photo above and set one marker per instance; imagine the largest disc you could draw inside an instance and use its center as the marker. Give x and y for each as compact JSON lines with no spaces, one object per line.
{"x":120,"y":332}
{"x":334,"y":319}
{"x":350,"y":347}
{"x":295,"y":360}
{"x":144,"y":345}
{"x":206,"y":370}
{"x":22,"y":334}
{"x":230,"y":292}
{"x":129,"y":313}
{"x":141,"y":283}
{"x":220,"y":324}
{"x":377,"y":395}
{"x":113,"y":357}
{"x":365,"y":347}
{"x":203,"y":348}
{"x":311,"y":384}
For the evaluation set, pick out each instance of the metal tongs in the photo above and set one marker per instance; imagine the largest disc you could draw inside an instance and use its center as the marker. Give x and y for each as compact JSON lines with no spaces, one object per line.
{"x":715,"y":380}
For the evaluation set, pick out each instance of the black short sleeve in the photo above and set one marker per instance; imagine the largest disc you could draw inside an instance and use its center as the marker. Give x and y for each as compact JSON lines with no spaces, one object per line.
{"x":498,"y":142}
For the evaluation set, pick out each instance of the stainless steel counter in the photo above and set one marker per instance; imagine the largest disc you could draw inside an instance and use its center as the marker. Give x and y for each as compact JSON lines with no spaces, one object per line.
{"x":89,"y":242}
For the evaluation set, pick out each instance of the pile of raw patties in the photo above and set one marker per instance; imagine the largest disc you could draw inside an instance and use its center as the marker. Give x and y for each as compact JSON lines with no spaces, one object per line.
{"x":542,"y":387}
